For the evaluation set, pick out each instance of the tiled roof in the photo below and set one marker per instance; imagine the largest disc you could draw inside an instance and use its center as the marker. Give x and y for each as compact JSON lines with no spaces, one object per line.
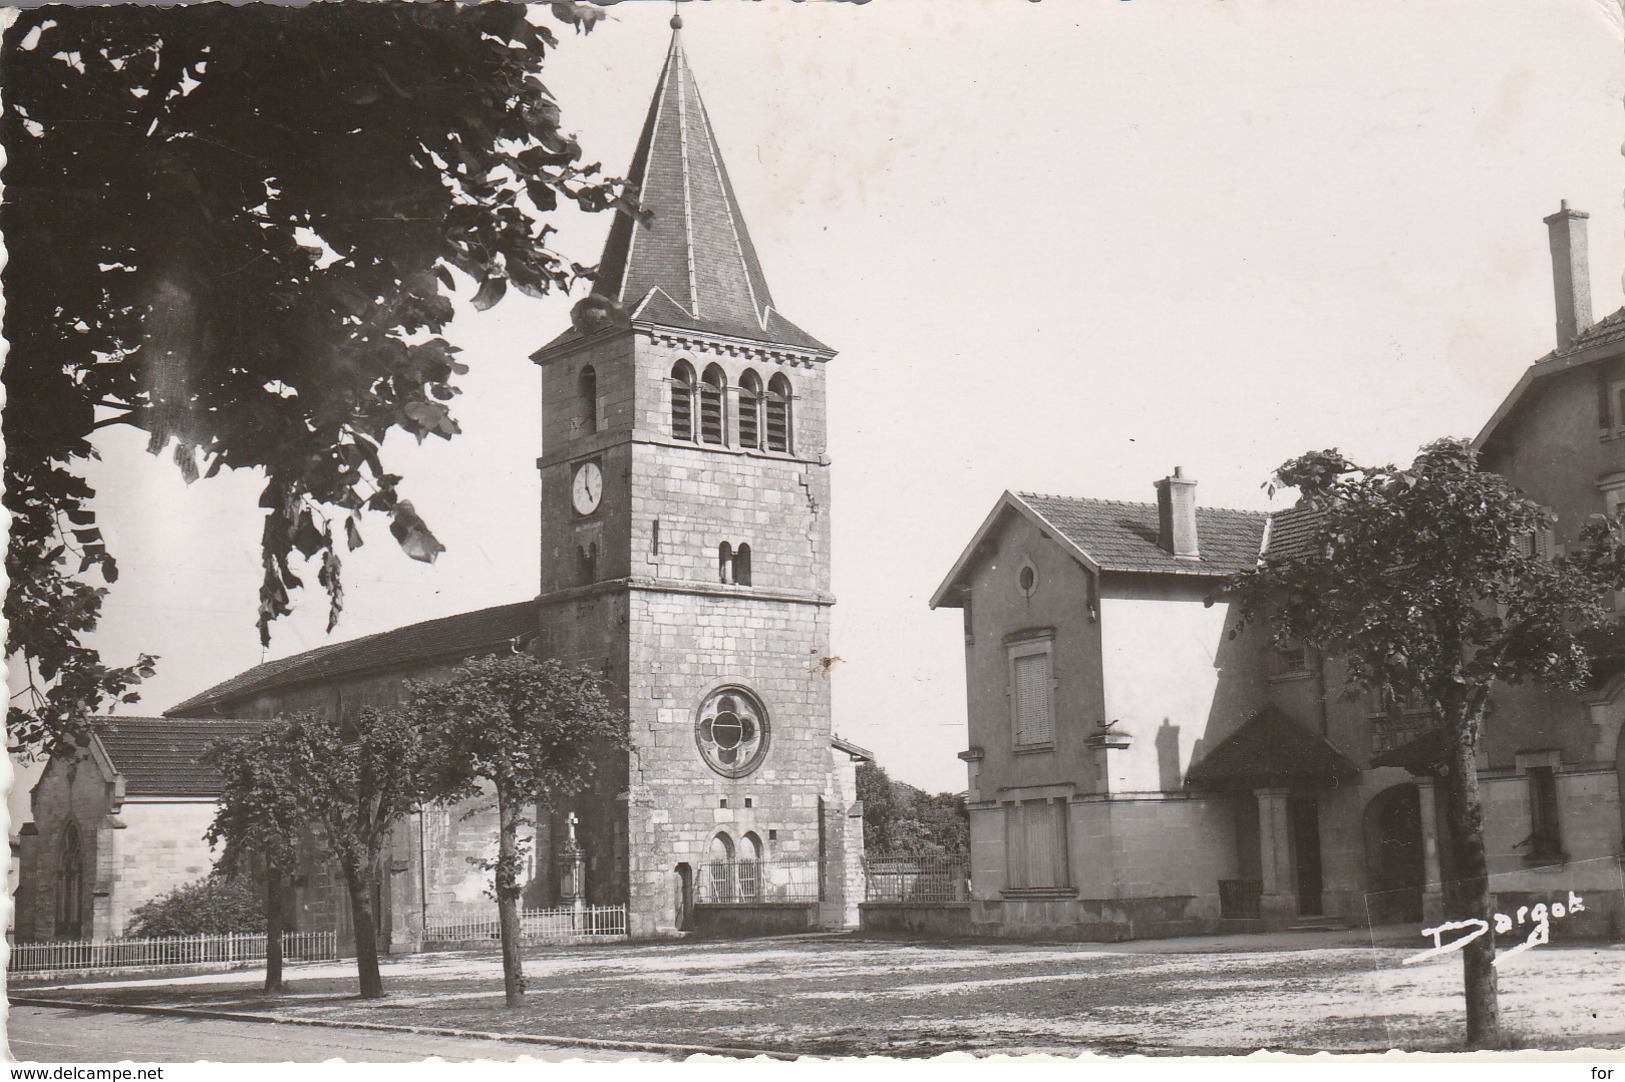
{"x":692,"y":265}
{"x":164,"y":756}
{"x":447,"y":636}
{"x":1271,"y":749}
{"x":1122,"y":536}
{"x":1292,"y":532}
{"x":1608,"y":329}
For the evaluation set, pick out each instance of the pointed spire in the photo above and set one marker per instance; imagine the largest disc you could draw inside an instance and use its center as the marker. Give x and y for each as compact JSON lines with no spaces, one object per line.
{"x":693,"y":264}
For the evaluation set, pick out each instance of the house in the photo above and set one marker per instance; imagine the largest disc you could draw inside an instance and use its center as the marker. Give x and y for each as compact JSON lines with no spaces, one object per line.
{"x":685,"y":495}
{"x":116,"y":823}
{"x":1137,"y":771}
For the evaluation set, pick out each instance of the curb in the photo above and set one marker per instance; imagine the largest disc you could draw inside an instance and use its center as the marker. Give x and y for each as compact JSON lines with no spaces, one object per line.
{"x":427,"y":1031}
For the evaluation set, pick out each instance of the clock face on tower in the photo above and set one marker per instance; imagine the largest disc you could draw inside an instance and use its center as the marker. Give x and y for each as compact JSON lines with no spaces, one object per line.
{"x":587,"y":488}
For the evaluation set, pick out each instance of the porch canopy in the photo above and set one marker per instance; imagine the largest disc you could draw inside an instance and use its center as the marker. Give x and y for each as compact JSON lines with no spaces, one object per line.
{"x":1269,"y":751}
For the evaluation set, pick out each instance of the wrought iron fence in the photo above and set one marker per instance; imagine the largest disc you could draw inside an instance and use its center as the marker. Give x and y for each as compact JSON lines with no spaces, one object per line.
{"x":167,"y":951}
{"x":759,"y":881}
{"x":910,"y":878}
{"x":562,"y":924}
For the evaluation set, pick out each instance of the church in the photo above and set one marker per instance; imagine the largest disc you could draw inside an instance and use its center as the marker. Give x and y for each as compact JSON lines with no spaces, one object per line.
{"x":685,"y":503}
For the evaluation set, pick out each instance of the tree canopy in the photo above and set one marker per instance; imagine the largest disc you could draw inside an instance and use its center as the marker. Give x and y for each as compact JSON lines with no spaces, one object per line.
{"x":354,"y":780}
{"x":534,"y":729}
{"x":1427,"y":579}
{"x":900,"y":819}
{"x":234,"y":229}
{"x":258,"y":819}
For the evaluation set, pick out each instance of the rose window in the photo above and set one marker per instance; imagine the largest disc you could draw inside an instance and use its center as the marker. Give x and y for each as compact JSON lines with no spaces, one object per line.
{"x":732,"y":732}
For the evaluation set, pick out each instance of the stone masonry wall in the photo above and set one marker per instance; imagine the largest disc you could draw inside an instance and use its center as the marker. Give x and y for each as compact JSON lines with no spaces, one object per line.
{"x":161,"y":848}
{"x":683,"y":647}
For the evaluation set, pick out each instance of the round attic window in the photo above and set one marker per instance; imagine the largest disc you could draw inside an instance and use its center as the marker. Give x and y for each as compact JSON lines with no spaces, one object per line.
{"x":731,"y":731}
{"x":1027,"y":578}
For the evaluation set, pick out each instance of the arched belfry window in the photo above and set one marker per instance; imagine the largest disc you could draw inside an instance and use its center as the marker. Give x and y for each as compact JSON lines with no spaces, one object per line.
{"x":778,"y":414}
{"x":713,"y":424}
{"x":682,"y":401}
{"x":70,"y":886}
{"x":750,"y":409}
{"x":587,"y":398}
{"x":742,"y":565}
{"x":725,"y":563}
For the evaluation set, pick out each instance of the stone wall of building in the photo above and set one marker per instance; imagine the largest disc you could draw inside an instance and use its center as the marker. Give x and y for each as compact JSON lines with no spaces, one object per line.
{"x":83,"y":791}
{"x":160,"y":848}
{"x":684,"y":647}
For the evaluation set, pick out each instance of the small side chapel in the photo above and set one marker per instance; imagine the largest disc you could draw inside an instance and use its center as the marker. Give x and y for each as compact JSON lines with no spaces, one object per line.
{"x":685,"y":495}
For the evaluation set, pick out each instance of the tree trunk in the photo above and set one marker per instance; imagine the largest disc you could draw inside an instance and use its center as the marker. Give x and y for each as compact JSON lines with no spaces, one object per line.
{"x":273,"y":929}
{"x":366,"y":934}
{"x":1468,"y":895}
{"x":507,"y":886}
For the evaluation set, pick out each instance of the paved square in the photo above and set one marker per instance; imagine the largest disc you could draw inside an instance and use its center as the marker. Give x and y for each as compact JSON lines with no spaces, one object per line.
{"x":848,"y":995}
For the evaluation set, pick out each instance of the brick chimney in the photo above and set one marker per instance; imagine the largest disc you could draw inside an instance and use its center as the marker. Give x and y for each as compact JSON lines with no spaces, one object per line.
{"x":1176,"y":515}
{"x":1571,"y":275}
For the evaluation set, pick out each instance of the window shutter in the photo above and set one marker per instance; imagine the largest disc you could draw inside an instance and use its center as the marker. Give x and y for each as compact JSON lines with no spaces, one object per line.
{"x":778,"y":423}
{"x":1041,"y":844}
{"x":682,"y":411}
{"x":1015,"y":846}
{"x":1033,"y":725}
{"x":750,"y":414}
{"x":710,"y":413}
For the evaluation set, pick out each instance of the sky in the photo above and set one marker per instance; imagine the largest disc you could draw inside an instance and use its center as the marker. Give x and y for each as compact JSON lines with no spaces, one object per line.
{"x":1061,"y":247}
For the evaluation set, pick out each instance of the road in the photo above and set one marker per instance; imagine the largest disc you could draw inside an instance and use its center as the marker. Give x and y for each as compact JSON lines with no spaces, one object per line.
{"x":55,"y":1035}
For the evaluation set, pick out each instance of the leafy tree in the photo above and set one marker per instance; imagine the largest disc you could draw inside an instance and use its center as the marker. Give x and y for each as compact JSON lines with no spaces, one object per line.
{"x":234,"y":229}
{"x":257,"y":821}
{"x":899,"y":818}
{"x":353,"y":782}
{"x":536,"y":730}
{"x":1420,"y":580}
{"x":214,"y":905}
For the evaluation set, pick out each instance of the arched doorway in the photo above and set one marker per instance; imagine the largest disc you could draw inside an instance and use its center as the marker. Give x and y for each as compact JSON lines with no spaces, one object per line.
{"x":1395,"y":872}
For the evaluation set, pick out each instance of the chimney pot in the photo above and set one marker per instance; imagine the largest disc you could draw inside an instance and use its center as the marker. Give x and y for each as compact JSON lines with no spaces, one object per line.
{"x":1176,"y":516}
{"x":1571,"y":273}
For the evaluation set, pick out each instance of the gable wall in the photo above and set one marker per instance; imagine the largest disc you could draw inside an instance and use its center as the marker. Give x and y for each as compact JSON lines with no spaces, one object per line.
{"x":999,"y":609}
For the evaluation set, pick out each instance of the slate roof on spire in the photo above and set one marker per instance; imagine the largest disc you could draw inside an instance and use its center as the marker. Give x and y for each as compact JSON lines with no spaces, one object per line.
{"x":692,"y":266}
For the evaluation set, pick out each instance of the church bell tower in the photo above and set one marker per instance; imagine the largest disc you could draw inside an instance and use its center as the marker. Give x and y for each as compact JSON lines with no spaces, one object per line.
{"x":685,"y":551}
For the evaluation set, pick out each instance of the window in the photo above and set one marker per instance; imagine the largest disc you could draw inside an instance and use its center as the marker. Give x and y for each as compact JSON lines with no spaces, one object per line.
{"x":713,"y":425}
{"x":70,"y":890}
{"x":1388,"y":703}
{"x":749,"y":868}
{"x":725,"y":561}
{"x":1611,"y":404}
{"x":1031,"y":702}
{"x":750,"y":409}
{"x":587,"y":563}
{"x":682,"y":401}
{"x":1027,"y":578}
{"x":731,"y":730}
{"x":587,"y":396}
{"x":1545,"y":832}
{"x":742,"y":566}
{"x":1291,"y":661}
{"x":778,"y":414}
